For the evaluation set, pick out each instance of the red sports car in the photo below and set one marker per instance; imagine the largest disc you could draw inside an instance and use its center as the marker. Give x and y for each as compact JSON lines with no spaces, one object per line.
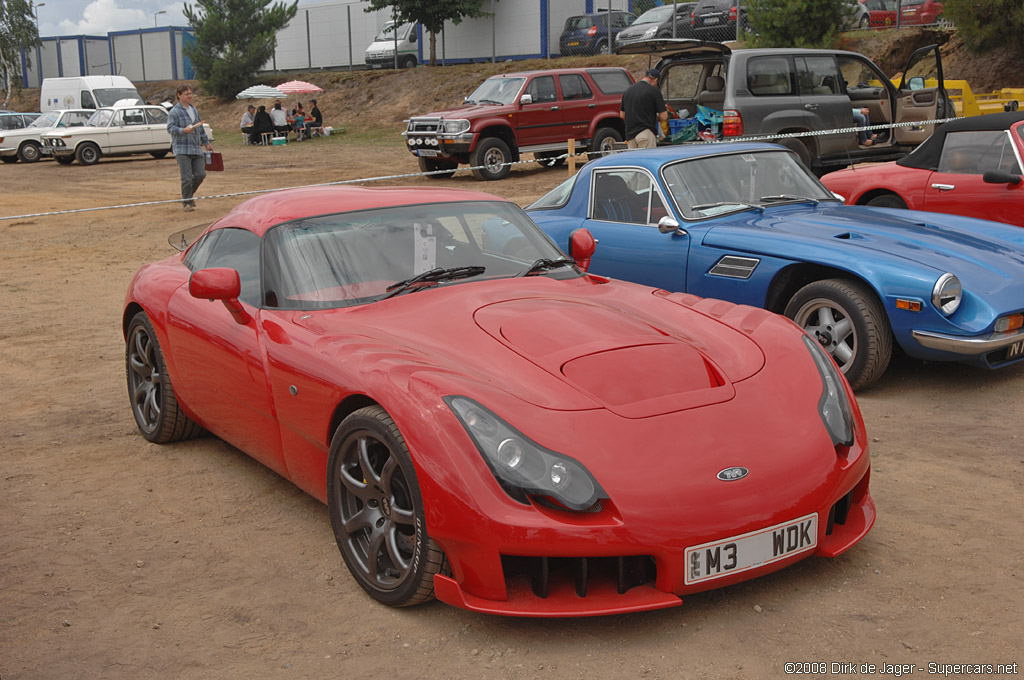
{"x":971,"y":166}
{"x":487,"y":422}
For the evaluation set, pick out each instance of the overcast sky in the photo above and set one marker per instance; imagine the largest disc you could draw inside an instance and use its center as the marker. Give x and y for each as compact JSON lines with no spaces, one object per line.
{"x":98,"y":17}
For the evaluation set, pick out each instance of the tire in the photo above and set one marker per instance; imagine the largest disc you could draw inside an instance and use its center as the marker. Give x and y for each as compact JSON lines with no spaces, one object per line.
{"x":494,"y":155}
{"x":887,"y":201}
{"x":88,"y":154}
{"x":601,"y":47}
{"x":603,"y":139}
{"x":550,"y":159}
{"x":408,"y":62}
{"x":865,"y":22}
{"x":432,"y":165}
{"x":376,"y":511}
{"x":849,"y":322}
{"x":29,"y":152}
{"x":803,"y":152}
{"x":65,"y":160}
{"x":158,"y":154}
{"x":9,"y":159}
{"x":154,"y":405}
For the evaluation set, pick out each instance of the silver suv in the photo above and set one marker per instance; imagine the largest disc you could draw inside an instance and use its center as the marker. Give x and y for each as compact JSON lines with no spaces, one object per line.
{"x":782,"y":90}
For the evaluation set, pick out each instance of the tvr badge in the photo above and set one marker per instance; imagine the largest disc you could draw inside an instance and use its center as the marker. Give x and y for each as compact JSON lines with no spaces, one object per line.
{"x":732,"y":474}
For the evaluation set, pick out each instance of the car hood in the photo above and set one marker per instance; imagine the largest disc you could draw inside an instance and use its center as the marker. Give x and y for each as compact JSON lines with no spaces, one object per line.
{"x":64,"y":132}
{"x":986,"y":256}
{"x":561,"y":345}
{"x":469,"y":111}
{"x":634,"y":30}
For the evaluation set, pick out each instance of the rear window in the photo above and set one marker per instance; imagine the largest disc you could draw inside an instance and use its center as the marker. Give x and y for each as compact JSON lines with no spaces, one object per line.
{"x":611,"y":82}
{"x":578,"y":23}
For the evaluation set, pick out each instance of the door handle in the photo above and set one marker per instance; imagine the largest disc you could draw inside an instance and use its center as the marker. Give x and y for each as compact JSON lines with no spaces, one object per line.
{"x":554,"y":108}
{"x":944,"y":187}
{"x":811,"y":107}
{"x":591,"y":106}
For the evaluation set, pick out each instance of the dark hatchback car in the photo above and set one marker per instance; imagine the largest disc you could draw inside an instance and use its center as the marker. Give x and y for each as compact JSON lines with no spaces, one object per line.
{"x":591,"y":33}
{"x":657,"y":22}
{"x":16,"y":121}
{"x":716,"y":19}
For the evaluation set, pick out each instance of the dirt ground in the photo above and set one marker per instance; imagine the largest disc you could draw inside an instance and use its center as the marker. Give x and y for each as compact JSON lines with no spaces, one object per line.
{"x":122,"y":559}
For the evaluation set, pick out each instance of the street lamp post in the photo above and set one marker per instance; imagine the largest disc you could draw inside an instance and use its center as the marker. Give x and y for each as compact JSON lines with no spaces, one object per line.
{"x":39,"y":55}
{"x":155,"y":14}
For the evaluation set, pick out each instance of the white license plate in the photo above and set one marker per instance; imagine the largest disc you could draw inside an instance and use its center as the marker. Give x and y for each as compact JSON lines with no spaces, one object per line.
{"x":427,"y":153}
{"x":1015,"y":350}
{"x":45,"y":150}
{"x":711,"y":20}
{"x":751,"y":550}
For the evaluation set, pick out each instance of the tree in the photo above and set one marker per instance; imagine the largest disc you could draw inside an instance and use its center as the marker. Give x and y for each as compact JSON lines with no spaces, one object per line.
{"x":988,"y":24}
{"x":431,"y":14}
{"x":234,"y":40}
{"x":795,"y":23}
{"x":17,"y":30}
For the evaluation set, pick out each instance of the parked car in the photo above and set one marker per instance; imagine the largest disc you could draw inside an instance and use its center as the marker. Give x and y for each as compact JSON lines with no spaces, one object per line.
{"x":971,"y":166}
{"x":113,"y":131}
{"x":514,"y":113}
{"x":465,"y":399}
{"x":788,"y":90}
{"x":857,"y":16}
{"x":660,"y":22}
{"x":26,"y":144}
{"x":715,"y":20}
{"x":381,"y":52}
{"x":881,"y":13}
{"x":592,"y":33}
{"x":747,"y":222}
{"x":10,"y":120}
{"x":921,"y":12}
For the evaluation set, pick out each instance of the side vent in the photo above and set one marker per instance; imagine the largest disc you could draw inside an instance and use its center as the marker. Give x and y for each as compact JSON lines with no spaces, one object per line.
{"x":735,"y":267}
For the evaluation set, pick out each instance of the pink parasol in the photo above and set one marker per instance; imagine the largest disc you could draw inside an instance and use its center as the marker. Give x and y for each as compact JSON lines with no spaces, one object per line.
{"x":298,"y":87}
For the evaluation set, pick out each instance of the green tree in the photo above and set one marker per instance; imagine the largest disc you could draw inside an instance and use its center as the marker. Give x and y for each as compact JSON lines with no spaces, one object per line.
{"x":234,"y":40}
{"x":17,"y":30}
{"x":795,"y":23}
{"x":432,"y":14}
{"x":988,"y":24}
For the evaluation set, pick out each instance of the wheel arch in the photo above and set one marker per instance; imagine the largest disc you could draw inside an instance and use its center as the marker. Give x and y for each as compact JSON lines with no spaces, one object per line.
{"x":610,"y":120}
{"x":875,"y":193}
{"x":130,"y":310}
{"x":794,"y":277}
{"x":502,"y":132}
{"x":344,"y":409}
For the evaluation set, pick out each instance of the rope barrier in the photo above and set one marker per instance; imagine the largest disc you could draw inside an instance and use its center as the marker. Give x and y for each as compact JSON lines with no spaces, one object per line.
{"x":791,"y":135}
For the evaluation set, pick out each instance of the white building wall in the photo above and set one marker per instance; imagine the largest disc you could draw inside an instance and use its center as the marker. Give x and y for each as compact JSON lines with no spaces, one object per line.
{"x":127,"y":56}
{"x":70,"y":57}
{"x":157,"y":48}
{"x":97,"y":57}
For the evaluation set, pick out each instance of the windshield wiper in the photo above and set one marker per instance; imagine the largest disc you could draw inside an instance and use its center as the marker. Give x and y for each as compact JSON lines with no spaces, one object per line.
{"x":433,"y":276}
{"x":790,"y":197}
{"x":705,"y":206}
{"x":545,"y":263}
{"x":489,"y":101}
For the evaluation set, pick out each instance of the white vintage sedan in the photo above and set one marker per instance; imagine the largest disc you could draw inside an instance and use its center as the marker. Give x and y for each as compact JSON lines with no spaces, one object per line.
{"x":26,"y":145}
{"x":120,"y":130}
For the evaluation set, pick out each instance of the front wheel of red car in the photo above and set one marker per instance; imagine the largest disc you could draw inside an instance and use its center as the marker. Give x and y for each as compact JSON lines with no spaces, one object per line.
{"x":441,"y":169}
{"x":377,"y":513}
{"x":154,"y":405}
{"x":491,"y":159}
{"x":849,"y":322}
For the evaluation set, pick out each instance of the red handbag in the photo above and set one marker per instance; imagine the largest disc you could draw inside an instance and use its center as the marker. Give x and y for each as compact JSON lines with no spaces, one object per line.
{"x":214,"y":162}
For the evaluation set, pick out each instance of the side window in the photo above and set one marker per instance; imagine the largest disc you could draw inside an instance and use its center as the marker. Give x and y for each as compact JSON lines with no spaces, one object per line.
{"x":574,"y":87}
{"x":542,"y":89}
{"x":134,"y":117}
{"x":77,"y":119}
{"x":681,"y":81}
{"x":156,"y":116}
{"x":817,"y":76}
{"x":620,"y":21}
{"x":975,"y":152}
{"x":859,"y":75}
{"x":236,"y":249}
{"x":625,"y":196}
{"x":769,"y":76}
{"x":87,"y":101}
{"x":612,"y":81}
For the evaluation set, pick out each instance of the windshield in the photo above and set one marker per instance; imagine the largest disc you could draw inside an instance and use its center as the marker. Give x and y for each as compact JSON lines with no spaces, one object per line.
{"x":555,"y":198}
{"x":47,"y":120}
{"x":356,"y":258}
{"x":731,"y":182}
{"x":387,"y":33}
{"x":110,"y":96}
{"x":655,"y":15}
{"x":101,"y":118}
{"x":497,"y":90}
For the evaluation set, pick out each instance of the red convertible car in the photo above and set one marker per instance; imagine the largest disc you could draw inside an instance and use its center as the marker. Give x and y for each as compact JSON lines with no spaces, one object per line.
{"x":486,"y":422}
{"x":971,"y":166}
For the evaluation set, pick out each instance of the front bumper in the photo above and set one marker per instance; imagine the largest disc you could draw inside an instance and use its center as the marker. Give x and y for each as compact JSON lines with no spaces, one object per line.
{"x":991,"y":349}
{"x":434,"y":145}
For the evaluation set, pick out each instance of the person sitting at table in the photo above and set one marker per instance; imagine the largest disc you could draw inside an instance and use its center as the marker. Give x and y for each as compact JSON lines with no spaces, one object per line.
{"x":247,"y":120}
{"x":316,"y":119}
{"x":280,"y":120}
{"x":262,"y":124}
{"x":299,"y":120}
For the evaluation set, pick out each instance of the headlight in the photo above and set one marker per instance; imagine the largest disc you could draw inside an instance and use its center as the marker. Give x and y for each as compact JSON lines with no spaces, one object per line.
{"x":834,"y":407}
{"x":650,"y":31}
{"x":390,"y":52}
{"x":522,"y":467}
{"x":947,"y":293}
{"x":454,"y":127}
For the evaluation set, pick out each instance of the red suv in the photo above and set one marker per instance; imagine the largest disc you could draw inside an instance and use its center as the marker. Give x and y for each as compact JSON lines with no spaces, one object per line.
{"x":534,"y":111}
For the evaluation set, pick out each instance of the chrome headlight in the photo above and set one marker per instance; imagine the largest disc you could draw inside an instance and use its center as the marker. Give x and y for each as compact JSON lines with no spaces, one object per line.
{"x":522,"y":467}
{"x":834,"y":406}
{"x":947,"y":294}
{"x":650,"y":31}
{"x":454,"y":127}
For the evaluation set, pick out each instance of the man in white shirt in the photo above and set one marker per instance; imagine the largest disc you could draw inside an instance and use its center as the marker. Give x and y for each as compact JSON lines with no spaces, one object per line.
{"x":247,"y":119}
{"x":280,"y":120}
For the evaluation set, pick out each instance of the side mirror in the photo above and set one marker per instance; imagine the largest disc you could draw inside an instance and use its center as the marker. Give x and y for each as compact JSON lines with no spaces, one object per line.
{"x":526,"y":99}
{"x":916,"y":83}
{"x":1000,"y":177}
{"x":582,"y":245}
{"x":219,"y":283}
{"x":668,"y":225}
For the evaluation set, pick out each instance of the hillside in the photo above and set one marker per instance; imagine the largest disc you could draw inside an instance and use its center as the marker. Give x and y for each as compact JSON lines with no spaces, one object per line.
{"x":374,"y":101}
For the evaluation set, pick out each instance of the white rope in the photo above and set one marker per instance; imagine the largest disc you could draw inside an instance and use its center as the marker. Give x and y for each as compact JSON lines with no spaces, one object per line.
{"x":791,"y":135}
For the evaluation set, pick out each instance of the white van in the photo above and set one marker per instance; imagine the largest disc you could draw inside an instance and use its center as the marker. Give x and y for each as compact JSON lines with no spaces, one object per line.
{"x":381,"y":52}
{"x":85,"y":92}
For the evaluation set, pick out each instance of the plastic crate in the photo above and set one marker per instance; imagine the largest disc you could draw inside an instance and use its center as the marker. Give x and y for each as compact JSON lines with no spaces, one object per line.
{"x":279,"y":141}
{"x":677,"y":124}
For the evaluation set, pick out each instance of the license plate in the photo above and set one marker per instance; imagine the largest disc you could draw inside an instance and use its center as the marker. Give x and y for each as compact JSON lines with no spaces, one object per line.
{"x":45,"y":150}
{"x":751,"y":550}
{"x":376,"y":65}
{"x":426,"y":153}
{"x":574,"y":43}
{"x":1015,"y":350}
{"x":711,"y":20}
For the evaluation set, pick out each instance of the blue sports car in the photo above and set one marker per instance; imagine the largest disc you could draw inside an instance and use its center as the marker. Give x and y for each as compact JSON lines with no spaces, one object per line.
{"x":748,"y":223}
